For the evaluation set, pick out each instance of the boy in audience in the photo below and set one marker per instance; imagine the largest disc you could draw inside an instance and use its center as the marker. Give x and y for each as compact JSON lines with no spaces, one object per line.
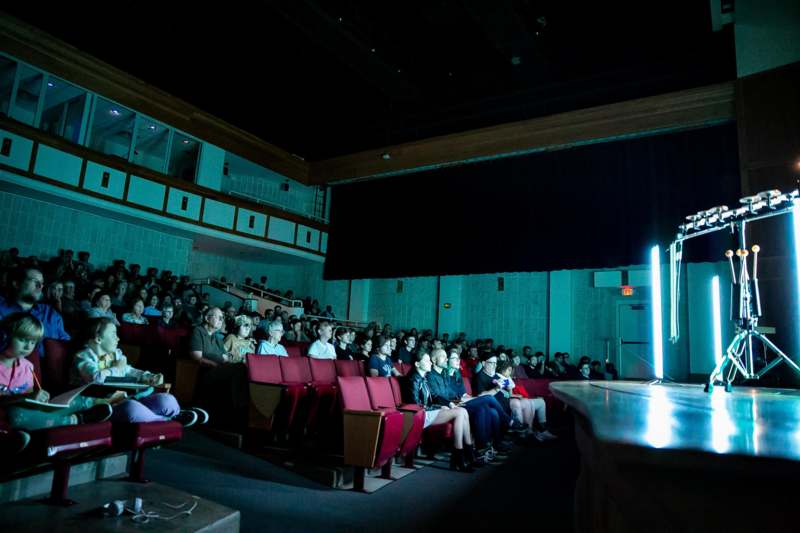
{"x":405,"y":354}
{"x":322,"y":348}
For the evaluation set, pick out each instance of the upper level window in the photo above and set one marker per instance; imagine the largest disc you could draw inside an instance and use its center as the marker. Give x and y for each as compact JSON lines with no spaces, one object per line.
{"x":183,"y":157}
{"x":112,"y":129}
{"x":151,"y":144}
{"x":25,"y":101}
{"x":63,"y":109}
{"x":8,"y":69}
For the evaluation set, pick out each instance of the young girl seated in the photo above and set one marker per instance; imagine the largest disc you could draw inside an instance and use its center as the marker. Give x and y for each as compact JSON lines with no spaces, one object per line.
{"x":19,"y":334}
{"x":525,"y":409}
{"x":101,"y":359}
{"x":239,"y":343}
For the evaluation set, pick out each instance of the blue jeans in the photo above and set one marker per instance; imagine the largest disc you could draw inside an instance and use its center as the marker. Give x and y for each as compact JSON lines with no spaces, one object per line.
{"x":488,"y":420}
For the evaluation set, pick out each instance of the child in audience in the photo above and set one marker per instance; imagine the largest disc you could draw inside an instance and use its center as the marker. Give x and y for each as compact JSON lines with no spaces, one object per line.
{"x":343,"y":351}
{"x":19,"y":334}
{"x":101,"y":359}
{"x":240,"y":343}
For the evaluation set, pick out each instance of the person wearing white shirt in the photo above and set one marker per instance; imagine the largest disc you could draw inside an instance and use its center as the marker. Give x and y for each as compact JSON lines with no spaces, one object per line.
{"x":321,"y":348}
{"x":273,"y":346}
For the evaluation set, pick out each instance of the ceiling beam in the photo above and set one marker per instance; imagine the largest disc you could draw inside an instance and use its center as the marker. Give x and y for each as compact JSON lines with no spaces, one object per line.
{"x":38,"y":48}
{"x":655,"y":114}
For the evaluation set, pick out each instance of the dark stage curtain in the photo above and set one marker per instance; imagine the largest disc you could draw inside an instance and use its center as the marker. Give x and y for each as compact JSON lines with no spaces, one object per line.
{"x":595,"y":206}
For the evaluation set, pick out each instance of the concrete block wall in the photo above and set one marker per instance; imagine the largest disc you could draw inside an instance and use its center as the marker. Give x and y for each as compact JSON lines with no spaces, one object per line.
{"x":41,"y":229}
{"x":414,"y":307}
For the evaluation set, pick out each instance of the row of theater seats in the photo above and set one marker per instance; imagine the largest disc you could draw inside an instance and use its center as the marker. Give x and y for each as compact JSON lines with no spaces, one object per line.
{"x":59,"y":448}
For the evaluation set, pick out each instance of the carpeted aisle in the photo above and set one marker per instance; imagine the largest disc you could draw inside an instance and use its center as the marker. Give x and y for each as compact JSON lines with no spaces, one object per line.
{"x":532,"y":489}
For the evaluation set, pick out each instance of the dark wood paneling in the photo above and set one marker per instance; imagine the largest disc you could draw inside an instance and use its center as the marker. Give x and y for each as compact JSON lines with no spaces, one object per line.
{"x":684,"y":109}
{"x":65,"y":61}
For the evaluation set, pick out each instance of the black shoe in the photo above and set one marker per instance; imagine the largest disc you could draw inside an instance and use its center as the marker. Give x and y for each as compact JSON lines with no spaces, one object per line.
{"x":457,"y":462}
{"x":13,"y":441}
{"x":517,"y":427}
{"x":99,"y":413}
{"x":472,"y":458}
{"x":202,"y":415}
{"x":186,"y":417}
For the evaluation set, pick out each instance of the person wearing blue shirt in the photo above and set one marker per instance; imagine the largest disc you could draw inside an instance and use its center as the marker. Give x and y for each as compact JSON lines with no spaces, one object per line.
{"x":27,"y":284}
{"x":380,"y":363}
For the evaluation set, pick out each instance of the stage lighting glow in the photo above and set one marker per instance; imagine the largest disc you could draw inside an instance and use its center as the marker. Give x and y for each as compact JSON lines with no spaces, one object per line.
{"x":717,"y":320}
{"x":655,"y":284}
{"x":796,"y":224}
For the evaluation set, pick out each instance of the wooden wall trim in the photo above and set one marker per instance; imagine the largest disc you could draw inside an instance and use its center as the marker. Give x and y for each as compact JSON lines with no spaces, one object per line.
{"x":46,"y":52}
{"x":122,"y":165}
{"x":677,"y":110}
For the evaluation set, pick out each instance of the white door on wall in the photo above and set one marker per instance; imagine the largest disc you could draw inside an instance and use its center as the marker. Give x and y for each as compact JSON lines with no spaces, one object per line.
{"x":635,"y":356}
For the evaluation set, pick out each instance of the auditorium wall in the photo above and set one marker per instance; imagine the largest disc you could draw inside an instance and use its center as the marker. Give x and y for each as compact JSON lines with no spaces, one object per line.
{"x":42,"y":228}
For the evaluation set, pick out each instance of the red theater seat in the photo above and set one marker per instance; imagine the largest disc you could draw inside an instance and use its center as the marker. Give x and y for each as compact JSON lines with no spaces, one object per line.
{"x":272,"y":401}
{"x":55,"y":367}
{"x":293,"y":351}
{"x":347,"y":369}
{"x":371,"y":436}
{"x":381,"y":396}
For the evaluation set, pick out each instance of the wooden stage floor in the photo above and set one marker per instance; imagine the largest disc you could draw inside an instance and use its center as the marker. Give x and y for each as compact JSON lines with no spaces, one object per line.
{"x":670,"y":457}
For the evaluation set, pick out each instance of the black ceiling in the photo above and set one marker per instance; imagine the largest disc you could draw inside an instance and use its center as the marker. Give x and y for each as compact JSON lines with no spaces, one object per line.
{"x":303,"y":75}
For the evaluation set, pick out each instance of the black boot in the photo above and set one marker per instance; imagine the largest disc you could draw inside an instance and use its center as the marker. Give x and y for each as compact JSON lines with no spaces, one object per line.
{"x":457,"y":462}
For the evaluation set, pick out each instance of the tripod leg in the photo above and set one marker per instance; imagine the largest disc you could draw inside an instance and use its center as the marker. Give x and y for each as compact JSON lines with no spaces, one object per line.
{"x":717,"y":372}
{"x":781,"y":356}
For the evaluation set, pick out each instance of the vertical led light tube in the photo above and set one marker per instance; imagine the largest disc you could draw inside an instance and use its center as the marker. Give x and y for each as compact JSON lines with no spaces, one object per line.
{"x":716,"y":319}
{"x":796,"y":225}
{"x":655,"y":283}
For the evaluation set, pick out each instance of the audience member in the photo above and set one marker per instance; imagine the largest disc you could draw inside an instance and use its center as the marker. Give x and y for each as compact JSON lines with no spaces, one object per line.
{"x":152,"y":309}
{"x":239,"y":341}
{"x":101,"y":307}
{"x":321,"y":348}
{"x":272,"y":345}
{"x":380,"y":362}
{"x":136,"y":316}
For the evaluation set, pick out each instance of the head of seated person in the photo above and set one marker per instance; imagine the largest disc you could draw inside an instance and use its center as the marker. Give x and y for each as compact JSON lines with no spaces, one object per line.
{"x":19,"y":335}
{"x":167,"y":315}
{"x":152,"y":306}
{"x":136,"y":313}
{"x":27,"y":285}
{"x":101,"y":301}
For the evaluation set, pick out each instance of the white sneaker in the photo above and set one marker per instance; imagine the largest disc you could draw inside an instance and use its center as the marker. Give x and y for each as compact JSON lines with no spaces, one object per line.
{"x":538,"y":435}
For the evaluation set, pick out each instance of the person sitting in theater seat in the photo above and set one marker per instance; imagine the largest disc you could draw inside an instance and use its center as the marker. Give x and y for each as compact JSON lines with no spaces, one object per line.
{"x":152,"y":308}
{"x":101,"y":307}
{"x":120,"y":295}
{"x":418,"y":391}
{"x":557,"y":367}
{"x":380,"y":362}
{"x":222,"y":384}
{"x":19,"y":334}
{"x":272,"y":345}
{"x":321,"y":348}
{"x":529,"y":410}
{"x":405,"y":354}
{"x":328,"y":312}
{"x":487,"y":419}
{"x":296,"y":333}
{"x":363,"y":347}
{"x":571,"y":371}
{"x":136,"y":316}
{"x":343,"y":350}
{"x":536,"y":368}
{"x":102,"y":359}
{"x":26,"y":293}
{"x":597,"y":371}
{"x":167,"y":320}
{"x":239,"y":342}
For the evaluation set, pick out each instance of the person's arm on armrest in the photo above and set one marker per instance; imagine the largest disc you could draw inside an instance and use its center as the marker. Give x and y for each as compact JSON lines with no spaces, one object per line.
{"x":373,"y":373}
{"x":197,"y":355}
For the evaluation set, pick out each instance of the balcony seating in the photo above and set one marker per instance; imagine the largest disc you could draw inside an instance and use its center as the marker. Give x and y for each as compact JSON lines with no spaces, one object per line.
{"x":372,"y":437}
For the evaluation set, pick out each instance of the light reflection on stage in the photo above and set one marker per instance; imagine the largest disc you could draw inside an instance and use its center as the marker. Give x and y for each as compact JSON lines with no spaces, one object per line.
{"x":660,"y":421}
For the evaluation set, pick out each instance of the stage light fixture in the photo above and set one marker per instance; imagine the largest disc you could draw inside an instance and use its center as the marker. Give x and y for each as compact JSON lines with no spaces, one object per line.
{"x":655,"y":283}
{"x":716,"y":319}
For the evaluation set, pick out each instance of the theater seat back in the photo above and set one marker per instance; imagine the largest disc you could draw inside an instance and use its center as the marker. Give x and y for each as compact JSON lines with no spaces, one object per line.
{"x":136,"y":334}
{"x":55,"y":366}
{"x":348,"y":368}
{"x":323,"y":370}
{"x":380,"y":392}
{"x":264,"y":369}
{"x":353,"y":392}
{"x":295,"y":369}
{"x":397,"y":393}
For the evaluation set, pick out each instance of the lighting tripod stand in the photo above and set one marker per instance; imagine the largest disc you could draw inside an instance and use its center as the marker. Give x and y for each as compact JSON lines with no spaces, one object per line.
{"x":739,"y":353}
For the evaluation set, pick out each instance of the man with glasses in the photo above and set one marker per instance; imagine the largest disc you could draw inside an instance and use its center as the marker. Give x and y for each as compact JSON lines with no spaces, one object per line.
{"x":27,"y":284}
{"x":222,"y":382}
{"x":272,"y":345}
